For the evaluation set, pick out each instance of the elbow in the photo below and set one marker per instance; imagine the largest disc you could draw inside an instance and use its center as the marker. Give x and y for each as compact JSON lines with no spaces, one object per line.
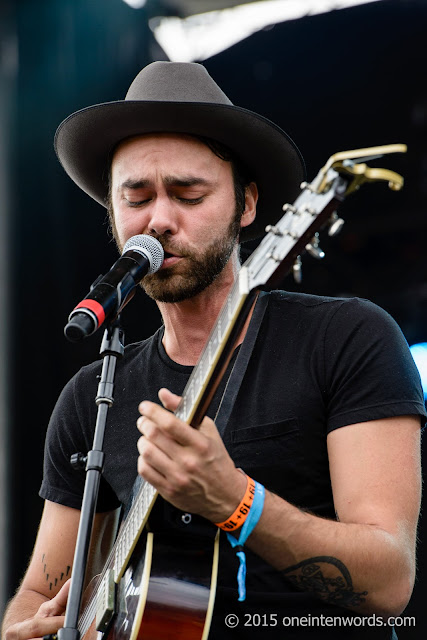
{"x":402,"y":597}
{"x":398,"y":579}
{"x":395,"y":598}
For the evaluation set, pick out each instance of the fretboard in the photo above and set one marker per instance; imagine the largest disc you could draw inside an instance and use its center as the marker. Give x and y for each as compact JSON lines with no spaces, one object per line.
{"x":193,"y":394}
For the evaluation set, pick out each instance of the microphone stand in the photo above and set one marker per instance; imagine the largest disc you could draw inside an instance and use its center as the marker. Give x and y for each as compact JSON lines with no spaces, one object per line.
{"x":111,"y":350}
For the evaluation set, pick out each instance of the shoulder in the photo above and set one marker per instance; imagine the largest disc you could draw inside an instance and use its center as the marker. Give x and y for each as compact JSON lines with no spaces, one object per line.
{"x":324,"y":314}
{"x":311,"y":301}
{"x":134,"y":353}
{"x":82,"y":387}
{"x":326,"y":306}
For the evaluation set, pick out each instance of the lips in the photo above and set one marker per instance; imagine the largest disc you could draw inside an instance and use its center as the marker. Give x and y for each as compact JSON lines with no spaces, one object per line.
{"x":170,"y":259}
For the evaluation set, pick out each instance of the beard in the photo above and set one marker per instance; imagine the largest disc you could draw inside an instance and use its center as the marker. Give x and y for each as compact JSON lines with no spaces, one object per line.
{"x":195,"y":272}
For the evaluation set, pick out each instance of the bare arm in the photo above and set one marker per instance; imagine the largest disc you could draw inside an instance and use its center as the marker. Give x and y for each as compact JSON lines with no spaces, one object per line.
{"x":365,"y":561}
{"x":38,"y":606}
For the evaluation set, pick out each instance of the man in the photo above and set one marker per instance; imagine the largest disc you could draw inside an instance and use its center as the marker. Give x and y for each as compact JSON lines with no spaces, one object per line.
{"x":327,"y":415}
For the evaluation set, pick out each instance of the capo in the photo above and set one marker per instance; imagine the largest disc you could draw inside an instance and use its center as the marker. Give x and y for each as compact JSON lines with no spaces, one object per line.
{"x":348,"y":162}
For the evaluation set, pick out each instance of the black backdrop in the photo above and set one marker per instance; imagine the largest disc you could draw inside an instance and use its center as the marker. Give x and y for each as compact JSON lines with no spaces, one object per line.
{"x":335,"y":81}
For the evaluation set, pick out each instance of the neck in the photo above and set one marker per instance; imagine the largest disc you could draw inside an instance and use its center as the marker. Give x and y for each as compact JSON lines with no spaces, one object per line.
{"x":188,"y":324}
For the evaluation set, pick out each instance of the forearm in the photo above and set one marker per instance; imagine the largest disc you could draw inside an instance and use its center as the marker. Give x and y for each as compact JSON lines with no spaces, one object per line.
{"x":366,"y":562}
{"x":23,"y":605}
{"x":32,"y":615}
{"x":358,"y":566}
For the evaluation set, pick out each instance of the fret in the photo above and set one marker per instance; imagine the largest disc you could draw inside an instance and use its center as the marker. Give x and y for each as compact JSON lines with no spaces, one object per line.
{"x":229,"y":308}
{"x":133,"y":521}
{"x":209,"y":350}
{"x":127,"y":537}
{"x":215,"y":339}
{"x":181,"y":412}
{"x":204,"y":364}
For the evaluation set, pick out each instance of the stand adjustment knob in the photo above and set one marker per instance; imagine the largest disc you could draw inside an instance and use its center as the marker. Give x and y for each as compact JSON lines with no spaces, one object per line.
{"x":78,"y":461}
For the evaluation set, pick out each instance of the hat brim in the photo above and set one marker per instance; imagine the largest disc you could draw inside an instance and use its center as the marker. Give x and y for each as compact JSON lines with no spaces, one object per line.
{"x":85,"y":140}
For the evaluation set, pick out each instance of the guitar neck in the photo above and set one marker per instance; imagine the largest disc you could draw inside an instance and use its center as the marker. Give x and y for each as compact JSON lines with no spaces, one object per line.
{"x":196,"y":397}
{"x":217,"y":353}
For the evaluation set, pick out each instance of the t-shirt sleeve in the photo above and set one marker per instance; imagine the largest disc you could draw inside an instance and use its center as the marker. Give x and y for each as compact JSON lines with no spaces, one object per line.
{"x":70,"y":431}
{"x":369,"y":368}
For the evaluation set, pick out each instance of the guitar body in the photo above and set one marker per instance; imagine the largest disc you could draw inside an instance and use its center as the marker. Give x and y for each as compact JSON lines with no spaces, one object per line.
{"x":167,"y":590}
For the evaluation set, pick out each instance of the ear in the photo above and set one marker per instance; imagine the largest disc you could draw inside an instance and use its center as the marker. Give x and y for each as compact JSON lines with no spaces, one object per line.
{"x":251,"y":199}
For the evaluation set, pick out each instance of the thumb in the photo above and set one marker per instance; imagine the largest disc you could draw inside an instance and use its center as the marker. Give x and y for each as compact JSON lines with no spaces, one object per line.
{"x":168,"y":399}
{"x":55,"y":606}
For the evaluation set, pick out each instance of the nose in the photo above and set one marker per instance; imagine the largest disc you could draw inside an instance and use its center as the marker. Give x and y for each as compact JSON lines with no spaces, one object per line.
{"x":163,"y":218}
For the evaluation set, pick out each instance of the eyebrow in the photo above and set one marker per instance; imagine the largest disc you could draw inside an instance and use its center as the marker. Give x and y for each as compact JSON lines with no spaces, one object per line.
{"x":172,"y":181}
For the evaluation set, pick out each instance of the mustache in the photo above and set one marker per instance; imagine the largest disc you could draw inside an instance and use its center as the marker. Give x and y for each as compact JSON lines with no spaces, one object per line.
{"x":171,"y":249}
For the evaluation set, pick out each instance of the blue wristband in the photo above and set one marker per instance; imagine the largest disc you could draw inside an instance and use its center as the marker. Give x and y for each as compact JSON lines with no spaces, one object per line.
{"x":246,"y":530}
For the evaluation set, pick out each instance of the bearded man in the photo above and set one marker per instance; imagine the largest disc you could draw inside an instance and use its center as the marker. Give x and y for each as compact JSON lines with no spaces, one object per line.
{"x":324,"y":429}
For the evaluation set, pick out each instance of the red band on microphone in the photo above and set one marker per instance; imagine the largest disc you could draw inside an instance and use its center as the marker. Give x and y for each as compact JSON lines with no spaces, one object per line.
{"x":95,"y":307}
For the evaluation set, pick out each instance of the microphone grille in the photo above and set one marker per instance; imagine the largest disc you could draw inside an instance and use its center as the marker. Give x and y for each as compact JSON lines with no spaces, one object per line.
{"x":149,"y":247}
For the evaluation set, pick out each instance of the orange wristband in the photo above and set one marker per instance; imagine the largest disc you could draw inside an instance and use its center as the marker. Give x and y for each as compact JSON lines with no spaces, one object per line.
{"x":238,"y":517}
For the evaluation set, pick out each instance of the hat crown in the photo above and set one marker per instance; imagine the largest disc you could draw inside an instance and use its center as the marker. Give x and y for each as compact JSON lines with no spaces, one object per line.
{"x":176,"y":82}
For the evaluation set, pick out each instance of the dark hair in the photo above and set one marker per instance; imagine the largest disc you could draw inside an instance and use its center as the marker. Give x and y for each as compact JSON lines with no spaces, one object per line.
{"x":240,"y":172}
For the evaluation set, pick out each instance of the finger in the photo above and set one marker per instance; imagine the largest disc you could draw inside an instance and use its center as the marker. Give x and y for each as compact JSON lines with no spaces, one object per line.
{"x":36,"y":627}
{"x":209,"y":429}
{"x":153,"y":456}
{"x":168,"y":399}
{"x":140,"y":445}
{"x":178,"y":430}
{"x":153,"y":434}
{"x":147,"y":469}
{"x":140,"y":424}
{"x":56,"y":606}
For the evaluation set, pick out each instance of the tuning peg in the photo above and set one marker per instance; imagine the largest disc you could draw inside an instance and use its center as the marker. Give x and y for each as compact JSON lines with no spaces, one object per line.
{"x":308,"y":186}
{"x":272,"y":229}
{"x":336,"y":224}
{"x":313,"y":248}
{"x":297,"y":270}
{"x":289,"y":207}
{"x":307,"y":209}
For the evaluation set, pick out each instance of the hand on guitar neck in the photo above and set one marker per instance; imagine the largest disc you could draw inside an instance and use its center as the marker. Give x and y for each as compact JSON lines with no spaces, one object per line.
{"x":187,"y":466}
{"x":48,"y":619}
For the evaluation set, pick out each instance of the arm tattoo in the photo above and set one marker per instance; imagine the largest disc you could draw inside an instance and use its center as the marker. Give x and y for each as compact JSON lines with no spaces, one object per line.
{"x":336,"y":587}
{"x":53,"y":580}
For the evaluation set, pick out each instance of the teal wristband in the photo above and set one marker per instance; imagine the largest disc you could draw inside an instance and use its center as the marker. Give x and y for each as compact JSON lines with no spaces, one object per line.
{"x":246,"y":530}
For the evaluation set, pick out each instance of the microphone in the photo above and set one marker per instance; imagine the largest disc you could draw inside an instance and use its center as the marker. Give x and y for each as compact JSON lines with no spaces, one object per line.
{"x":110,"y":293}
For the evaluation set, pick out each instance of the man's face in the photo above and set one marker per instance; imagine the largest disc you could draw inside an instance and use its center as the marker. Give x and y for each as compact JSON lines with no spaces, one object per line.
{"x":176,"y":189}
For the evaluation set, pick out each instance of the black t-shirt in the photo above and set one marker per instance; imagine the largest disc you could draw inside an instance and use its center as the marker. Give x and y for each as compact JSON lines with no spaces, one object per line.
{"x":318,"y":364}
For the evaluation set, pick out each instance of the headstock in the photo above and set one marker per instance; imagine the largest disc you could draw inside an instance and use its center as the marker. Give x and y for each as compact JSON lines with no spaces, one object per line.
{"x":298,"y":230}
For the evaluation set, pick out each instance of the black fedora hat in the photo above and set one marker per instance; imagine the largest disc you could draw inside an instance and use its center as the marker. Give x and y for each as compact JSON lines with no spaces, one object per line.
{"x":178,"y":97}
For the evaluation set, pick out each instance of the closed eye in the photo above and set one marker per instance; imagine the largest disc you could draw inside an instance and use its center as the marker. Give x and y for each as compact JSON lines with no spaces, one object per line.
{"x":136,"y":203}
{"x":191,"y":200}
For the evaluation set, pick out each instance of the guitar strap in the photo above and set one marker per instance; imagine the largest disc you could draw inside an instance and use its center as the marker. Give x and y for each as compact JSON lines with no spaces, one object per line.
{"x":233,"y":383}
{"x":239,"y":368}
